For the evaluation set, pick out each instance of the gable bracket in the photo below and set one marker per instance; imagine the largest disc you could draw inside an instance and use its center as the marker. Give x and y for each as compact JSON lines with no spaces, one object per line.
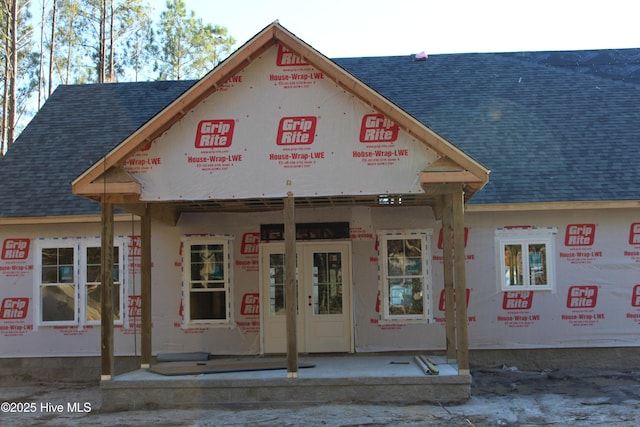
{"x":115,"y":183}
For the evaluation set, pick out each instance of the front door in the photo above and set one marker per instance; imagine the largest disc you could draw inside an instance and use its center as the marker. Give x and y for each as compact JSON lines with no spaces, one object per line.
{"x":324,"y":286}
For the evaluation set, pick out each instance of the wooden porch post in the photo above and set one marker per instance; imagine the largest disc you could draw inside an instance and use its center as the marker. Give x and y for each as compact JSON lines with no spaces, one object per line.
{"x":291,"y":294}
{"x":459,"y":260}
{"x":106,"y":303}
{"x":447,"y":255}
{"x":145,"y":288}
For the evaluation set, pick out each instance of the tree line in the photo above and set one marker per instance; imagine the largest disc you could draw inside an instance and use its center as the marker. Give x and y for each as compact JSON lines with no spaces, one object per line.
{"x":58,"y":42}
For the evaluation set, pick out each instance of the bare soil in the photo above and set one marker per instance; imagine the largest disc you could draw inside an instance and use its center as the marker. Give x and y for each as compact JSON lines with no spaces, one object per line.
{"x":501,"y":396}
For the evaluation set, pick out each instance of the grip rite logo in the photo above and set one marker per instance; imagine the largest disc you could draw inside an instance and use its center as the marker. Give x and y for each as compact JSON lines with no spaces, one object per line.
{"x":15,"y":249}
{"x":378,"y":128}
{"x":14,"y":308}
{"x":582,"y":297}
{"x":214,"y":133}
{"x":250,"y":244}
{"x":286,"y":57}
{"x":296,"y":130}
{"x":441,"y":303}
{"x":634,"y":234}
{"x":135,"y":306}
{"x":250,"y":305}
{"x":635,"y":298}
{"x":135,"y":246}
{"x":517,"y":300}
{"x":580,"y":235}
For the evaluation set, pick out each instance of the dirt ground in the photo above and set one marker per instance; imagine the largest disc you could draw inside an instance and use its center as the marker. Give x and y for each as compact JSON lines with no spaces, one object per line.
{"x":500,"y":397}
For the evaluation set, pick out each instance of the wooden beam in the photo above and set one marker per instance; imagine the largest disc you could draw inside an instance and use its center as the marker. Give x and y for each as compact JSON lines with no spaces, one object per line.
{"x":138,"y":209}
{"x":67,"y":219}
{"x":443,"y":177}
{"x":438,"y":189}
{"x":291,"y":294}
{"x":99,"y":189}
{"x":165,"y":213}
{"x":447,"y":256}
{"x":459,"y":260}
{"x":145,"y":288}
{"x":106,"y":303}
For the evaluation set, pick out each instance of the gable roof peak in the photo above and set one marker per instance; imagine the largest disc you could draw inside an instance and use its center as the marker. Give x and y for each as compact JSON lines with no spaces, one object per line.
{"x":272,"y":35}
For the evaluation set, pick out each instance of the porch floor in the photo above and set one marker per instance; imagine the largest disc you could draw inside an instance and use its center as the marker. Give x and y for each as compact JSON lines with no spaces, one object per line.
{"x":387,"y":378}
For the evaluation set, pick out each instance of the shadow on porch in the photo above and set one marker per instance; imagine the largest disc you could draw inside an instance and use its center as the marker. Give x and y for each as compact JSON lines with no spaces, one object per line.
{"x":382,"y":378}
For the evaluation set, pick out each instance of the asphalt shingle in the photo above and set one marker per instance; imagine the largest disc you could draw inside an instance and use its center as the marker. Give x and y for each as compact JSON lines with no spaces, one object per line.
{"x":76,"y":126}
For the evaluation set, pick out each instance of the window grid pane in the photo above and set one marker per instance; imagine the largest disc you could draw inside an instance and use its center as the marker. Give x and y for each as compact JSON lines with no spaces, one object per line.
{"x":405,"y":277}
{"x":513,"y":265}
{"x":94,"y":298}
{"x":538,"y":264}
{"x":58,"y":303}
{"x":208,"y":285}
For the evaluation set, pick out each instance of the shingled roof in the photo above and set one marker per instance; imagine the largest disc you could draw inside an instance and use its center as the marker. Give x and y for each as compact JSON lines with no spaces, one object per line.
{"x":76,"y":127}
{"x":549,"y":129}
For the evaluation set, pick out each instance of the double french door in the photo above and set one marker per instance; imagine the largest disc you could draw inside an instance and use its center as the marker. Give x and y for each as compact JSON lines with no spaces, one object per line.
{"x":324,"y":304}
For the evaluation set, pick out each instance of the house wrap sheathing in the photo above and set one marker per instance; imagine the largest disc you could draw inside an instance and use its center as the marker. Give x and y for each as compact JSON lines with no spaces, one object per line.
{"x":552,"y":251}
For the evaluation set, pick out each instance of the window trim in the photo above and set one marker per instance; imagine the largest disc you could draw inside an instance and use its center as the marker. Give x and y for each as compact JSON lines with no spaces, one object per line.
{"x":123,"y":248}
{"x":55,"y":243}
{"x":425,"y":235}
{"x":79,"y":246}
{"x":526,"y":236}
{"x":187,"y":242}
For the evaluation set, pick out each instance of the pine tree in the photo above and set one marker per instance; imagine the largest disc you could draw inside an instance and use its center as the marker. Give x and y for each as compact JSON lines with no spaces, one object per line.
{"x":188,"y":48}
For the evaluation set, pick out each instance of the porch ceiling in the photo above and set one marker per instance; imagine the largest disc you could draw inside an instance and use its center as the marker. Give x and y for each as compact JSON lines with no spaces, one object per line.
{"x":169,"y":211}
{"x":262,"y":204}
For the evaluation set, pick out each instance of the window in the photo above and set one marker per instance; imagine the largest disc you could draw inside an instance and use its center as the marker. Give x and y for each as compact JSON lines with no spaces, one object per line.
{"x":93,"y":286}
{"x":68,"y":285}
{"x":57,"y":287}
{"x":526,"y":259}
{"x":207,"y":281}
{"x":405,"y":275}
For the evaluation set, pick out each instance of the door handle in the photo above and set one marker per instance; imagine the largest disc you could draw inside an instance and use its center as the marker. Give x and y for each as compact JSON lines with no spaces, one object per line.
{"x":310,"y":301}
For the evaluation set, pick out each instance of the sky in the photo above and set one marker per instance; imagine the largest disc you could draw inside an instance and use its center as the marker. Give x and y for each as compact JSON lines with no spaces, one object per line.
{"x":347,"y":28}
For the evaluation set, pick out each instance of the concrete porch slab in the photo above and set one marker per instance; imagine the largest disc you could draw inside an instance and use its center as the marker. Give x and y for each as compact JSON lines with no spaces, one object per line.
{"x":336,"y":379}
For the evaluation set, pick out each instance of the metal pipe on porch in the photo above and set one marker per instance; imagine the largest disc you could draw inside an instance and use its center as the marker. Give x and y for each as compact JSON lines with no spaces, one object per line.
{"x":106,"y":303}
{"x":145,"y":288}
{"x":291,"y":294}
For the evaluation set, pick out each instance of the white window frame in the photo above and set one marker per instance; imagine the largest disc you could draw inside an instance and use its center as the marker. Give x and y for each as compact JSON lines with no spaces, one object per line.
{"x":41,"y":245}
{"x":79,"y":246}
{"x":526,"y":237}
{"x":119,"y":280}
{"x":384,"y":236}
{"x":226,"y":281}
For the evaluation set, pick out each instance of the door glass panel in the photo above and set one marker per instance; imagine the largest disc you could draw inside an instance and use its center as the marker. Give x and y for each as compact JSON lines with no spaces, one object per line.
{"x":277,"y":291}
{"x":276,"y":285}
{"x":327,"y":283}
